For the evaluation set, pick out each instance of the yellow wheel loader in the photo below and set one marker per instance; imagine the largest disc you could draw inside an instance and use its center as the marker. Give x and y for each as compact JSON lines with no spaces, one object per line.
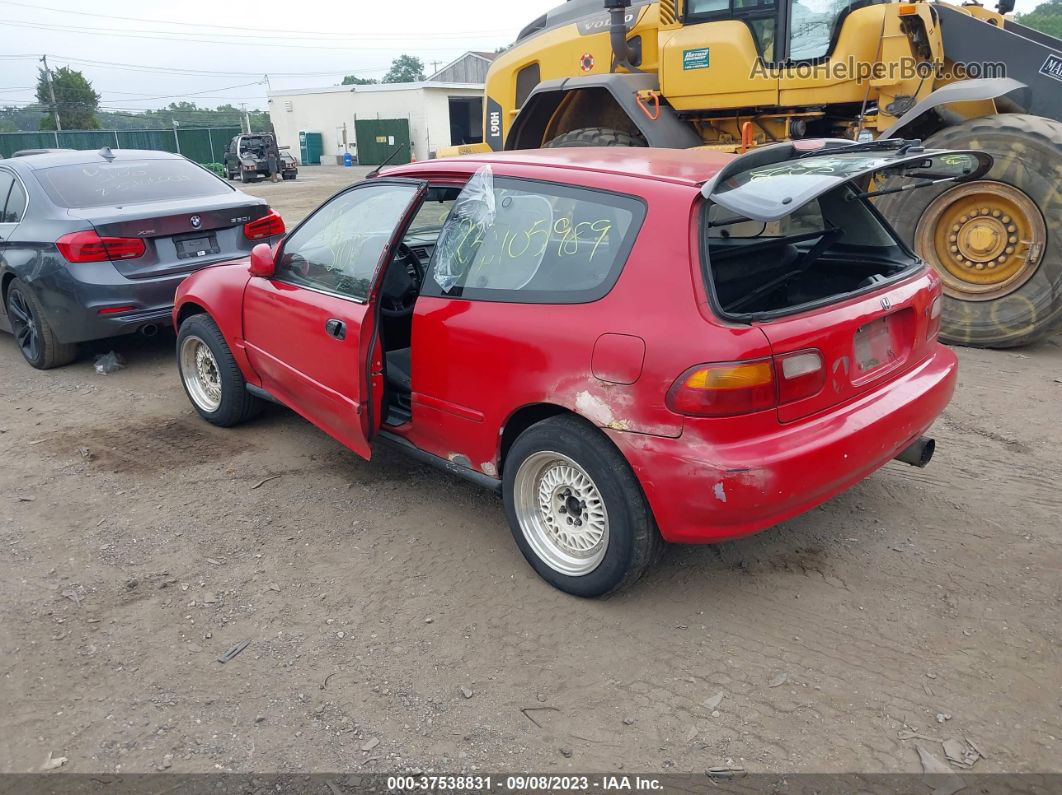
{"x":733,"y":74}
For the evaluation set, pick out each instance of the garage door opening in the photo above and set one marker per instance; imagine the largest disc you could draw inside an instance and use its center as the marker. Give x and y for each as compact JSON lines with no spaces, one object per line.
{"x":466,"y":120}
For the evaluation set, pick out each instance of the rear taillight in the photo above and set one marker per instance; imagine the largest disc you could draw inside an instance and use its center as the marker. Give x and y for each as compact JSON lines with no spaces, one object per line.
{"x":933,"y":313}
{"x":724,"y":389}
{"x":800,"y":375}
{"x":728,"y":389}
{"x":269,"y":225}
{"x":88,"y":246}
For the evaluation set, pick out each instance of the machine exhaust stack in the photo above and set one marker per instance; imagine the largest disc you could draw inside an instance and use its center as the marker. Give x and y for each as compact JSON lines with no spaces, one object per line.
{"x":622,"y":52}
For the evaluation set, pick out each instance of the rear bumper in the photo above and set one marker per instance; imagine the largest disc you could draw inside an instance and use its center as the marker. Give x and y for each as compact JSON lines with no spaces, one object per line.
{"x":72,"y":303}
{"x":702,"y":492}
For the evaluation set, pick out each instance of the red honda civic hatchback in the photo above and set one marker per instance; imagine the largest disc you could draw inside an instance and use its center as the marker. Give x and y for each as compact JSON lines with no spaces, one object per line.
{"x":632,"y":346}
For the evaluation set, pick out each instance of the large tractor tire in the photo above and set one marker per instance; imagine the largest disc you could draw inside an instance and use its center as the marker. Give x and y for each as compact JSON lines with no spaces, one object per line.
{"x":595,"y":136}
{"x":995,"y":241}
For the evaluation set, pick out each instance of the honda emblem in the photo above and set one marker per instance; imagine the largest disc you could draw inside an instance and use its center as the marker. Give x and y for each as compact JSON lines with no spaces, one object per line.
{"x":886,"y":304}
{"x":195,"y":221}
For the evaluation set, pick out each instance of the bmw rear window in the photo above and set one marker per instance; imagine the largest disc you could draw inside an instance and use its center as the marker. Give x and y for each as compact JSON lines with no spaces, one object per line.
{"x":128,"y":182}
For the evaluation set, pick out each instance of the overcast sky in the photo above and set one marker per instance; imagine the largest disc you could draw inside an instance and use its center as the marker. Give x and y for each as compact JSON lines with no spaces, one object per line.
{"x":223,"y":48}
{"x":325,"y":40}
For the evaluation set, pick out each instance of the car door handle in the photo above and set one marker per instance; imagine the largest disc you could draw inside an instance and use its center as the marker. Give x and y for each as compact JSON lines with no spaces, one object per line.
{"x":336,"y":328}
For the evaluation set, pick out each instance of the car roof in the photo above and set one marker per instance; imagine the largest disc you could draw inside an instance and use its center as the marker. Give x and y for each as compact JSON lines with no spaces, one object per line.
{"x":691,"y":167}
{"x":86,"y":156}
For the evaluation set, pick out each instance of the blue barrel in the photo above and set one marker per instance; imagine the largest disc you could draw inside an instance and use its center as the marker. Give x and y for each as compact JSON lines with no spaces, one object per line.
{"x":348,"y":159}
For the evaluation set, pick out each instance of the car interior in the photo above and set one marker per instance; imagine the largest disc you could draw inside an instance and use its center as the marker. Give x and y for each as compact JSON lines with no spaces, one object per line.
{"x":830,"y":246}
{"x":398,"y":296}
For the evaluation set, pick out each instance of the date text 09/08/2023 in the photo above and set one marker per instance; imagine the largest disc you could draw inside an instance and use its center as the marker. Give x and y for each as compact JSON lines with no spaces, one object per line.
{"x":523,"y":783}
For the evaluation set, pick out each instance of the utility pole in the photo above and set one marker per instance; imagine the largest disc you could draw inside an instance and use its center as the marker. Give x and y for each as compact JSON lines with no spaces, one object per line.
{"x":51,"y":93}
{"x":435,"y":66}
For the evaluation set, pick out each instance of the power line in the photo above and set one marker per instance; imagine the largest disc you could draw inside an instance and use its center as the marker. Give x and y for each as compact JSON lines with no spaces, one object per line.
{"x":78,"y":104}
{"x":197,"y":93}
{"x":287,"y":32}
{"x":214,"y":72}
{"x":112,"y":33}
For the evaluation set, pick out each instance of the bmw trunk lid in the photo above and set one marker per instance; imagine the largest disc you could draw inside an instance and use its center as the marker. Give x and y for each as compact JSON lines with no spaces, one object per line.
{"x":182,"y":235}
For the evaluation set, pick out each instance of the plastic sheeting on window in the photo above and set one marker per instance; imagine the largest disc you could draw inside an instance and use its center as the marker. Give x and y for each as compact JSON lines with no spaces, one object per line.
{"x":473,"y":214}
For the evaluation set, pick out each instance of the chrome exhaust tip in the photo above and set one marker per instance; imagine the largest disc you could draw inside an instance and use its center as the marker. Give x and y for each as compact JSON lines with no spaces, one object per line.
{"x":918,"y":454}
{"x":150,"y":330}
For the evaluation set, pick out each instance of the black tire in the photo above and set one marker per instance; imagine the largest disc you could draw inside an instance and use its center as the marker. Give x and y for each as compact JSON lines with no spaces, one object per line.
{"x":237,"y":404}
{"x":244,"y":178}
{"x":35,"y":338}
{"x":633,"y":544}
{"x":1028,"y":156}
{"x":596,"y":136}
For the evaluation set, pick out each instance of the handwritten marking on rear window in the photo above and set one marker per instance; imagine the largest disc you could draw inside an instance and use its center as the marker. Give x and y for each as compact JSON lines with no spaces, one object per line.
{"x":118,"y":179}
{"x":563,"y":240}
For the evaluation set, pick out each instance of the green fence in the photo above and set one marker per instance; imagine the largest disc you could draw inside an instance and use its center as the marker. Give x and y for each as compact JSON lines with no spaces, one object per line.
{"x":203,"y":145}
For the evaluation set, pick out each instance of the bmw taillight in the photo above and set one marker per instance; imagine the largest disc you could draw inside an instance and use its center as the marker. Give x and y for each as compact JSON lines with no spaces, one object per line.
{"x":269,"y":225}
{"x":728,"y":389}
{"x":88,"y":246}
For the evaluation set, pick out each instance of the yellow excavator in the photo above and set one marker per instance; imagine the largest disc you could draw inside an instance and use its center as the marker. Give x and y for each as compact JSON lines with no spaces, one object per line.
{"x":734,"y":74}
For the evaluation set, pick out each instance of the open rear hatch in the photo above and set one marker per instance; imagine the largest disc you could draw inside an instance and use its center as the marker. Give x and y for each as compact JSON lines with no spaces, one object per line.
{"x":795,"y":247}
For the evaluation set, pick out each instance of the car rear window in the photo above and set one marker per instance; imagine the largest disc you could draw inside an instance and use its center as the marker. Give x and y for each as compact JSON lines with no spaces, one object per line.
{"x":521,"y":241}
{"x":128,"y":182}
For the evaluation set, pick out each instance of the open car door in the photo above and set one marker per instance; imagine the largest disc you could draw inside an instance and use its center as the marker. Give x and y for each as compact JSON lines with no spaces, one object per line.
{"x":311,"y":330}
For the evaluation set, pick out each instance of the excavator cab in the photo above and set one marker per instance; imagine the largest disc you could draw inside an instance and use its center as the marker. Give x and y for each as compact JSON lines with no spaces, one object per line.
{"x":783,"y":30}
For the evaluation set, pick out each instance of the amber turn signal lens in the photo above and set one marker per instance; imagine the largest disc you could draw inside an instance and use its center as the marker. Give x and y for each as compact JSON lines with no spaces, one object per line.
{"x":725,"y":389}
{"x":740,"y":376}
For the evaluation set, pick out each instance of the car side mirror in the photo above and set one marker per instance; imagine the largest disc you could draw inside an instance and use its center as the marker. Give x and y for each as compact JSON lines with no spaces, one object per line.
{"x":262,"y":262}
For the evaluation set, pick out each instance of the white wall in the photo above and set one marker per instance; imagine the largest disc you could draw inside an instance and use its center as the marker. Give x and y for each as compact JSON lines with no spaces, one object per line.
{"x":426,"y":105}
{"x":316,"y":112}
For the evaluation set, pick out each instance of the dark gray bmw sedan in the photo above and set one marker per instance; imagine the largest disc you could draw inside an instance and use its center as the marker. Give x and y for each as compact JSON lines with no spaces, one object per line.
{"x":94,"y":244}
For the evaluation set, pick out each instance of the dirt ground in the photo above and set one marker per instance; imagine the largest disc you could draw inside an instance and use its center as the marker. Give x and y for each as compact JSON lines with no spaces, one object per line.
{"x":393,"y":625}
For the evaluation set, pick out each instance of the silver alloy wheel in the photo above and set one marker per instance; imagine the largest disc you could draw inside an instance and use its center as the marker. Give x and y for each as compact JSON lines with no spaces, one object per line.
{"x":200,"y":372}
{"x":561,"y":513}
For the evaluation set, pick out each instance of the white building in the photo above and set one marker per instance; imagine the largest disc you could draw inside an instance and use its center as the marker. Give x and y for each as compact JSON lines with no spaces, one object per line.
{"x":432,"y":114}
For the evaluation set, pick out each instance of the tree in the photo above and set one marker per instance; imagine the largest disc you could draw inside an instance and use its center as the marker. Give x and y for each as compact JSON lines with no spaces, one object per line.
{"x":354,"y":80}
{"x":1046,"y":18}
{"x":75,"y":99}
{"x":405,"y":69}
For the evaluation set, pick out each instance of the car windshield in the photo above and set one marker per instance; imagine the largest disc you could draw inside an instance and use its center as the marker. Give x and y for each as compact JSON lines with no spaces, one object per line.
{"x":128,"y":182}
{"x":434,"y":211}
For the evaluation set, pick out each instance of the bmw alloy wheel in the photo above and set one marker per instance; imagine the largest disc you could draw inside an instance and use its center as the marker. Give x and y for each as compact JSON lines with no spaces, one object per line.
{"x":24,"y":326}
